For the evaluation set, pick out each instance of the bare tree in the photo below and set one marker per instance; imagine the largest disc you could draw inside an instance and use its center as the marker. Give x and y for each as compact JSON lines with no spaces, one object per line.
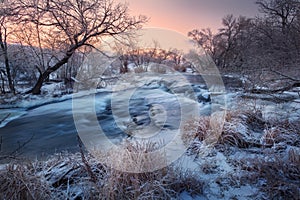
{"x":206,"y":39}
{"x":229,"y":40}
{"x":283,"y":12}
{"x":123,"y":50}
{"x":277,"y":44}
{"x":131,"y":52}
{"x":280,"y":27}
{"x":65,"y":26}
{"x":5,"y":30}
{"x":266,"y":49}
{"x":225,"y":47}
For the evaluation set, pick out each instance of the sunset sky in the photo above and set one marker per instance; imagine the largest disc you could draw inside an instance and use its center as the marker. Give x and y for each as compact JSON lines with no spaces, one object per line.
{"x":186,"y":15}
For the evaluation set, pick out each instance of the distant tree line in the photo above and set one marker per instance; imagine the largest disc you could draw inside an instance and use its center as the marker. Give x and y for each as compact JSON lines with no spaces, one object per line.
{"x":265,"y":48}
{"x":141,"y":58}
{"x":49,"y":39}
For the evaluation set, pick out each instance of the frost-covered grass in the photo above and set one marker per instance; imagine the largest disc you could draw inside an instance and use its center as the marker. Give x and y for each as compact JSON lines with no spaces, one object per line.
{"x":81,"y":176}
{"x":251,"y":151}
{"x":276,"y":174}
{"x":165,"y":183}
{"x":21,"y":181}
{"x":236,"y":130}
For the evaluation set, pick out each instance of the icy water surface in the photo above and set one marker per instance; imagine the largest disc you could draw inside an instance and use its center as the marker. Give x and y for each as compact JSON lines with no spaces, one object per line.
{"x":50,"y":128}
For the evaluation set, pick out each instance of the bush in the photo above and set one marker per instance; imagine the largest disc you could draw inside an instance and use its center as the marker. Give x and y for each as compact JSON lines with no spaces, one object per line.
{"x":165,"y":183}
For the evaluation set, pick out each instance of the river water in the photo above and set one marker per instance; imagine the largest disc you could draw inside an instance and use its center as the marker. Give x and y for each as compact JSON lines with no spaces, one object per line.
{"x":50,"y":128}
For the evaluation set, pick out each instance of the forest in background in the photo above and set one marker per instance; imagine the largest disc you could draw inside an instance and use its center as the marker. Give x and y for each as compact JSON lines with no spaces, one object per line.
{"x":264,"y":49}
{"x":39,"y":41}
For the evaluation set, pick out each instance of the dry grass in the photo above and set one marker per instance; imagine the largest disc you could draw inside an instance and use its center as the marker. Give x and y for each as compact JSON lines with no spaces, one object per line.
{"x":165,"y":183}
{"x":22,"y":182}
{"x":196,"y":129}
{"x":275,"y":167}
{"x":235,"y":130}
{"x":243,"y":129}
{"x":67,"y":176}
{"x":282,"y":133}
{"x":268,"y":152}
{"x":277,"y":177}
{"x":138,"y":173}
{"x":133,"y":156}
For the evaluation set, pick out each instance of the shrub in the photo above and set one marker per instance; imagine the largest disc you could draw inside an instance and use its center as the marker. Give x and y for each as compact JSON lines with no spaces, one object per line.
{"x":235,"y":130}
{"x":164,"y":183}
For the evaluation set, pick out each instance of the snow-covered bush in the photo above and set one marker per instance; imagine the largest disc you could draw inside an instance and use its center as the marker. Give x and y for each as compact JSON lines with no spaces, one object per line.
{"x":237,"y":130}
{"x":165,"y":183}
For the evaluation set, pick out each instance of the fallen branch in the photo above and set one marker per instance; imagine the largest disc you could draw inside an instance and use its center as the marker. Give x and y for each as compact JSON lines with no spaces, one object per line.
{"x":270,"y":91}
{"x":286,"y":76}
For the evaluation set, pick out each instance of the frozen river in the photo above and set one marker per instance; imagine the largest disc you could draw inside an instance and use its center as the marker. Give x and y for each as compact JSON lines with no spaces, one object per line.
{"x":50,"y":128}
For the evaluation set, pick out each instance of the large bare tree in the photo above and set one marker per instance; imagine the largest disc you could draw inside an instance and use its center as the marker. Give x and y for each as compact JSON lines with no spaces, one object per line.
{"x":65,"y":26}
{"x":225,"y":46}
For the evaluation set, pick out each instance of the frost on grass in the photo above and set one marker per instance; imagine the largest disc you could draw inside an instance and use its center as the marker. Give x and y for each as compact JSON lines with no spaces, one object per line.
{"x":82,"y":176}
{"x":251,"y":152}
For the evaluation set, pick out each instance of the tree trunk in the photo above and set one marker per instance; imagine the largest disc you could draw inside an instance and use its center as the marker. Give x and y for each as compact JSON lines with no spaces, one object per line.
{"x":4,"y":48}
{"x":9,"y":78}
{"x":37,"y":87}
{"x":36,"y":90}
{"x":2,"y":85}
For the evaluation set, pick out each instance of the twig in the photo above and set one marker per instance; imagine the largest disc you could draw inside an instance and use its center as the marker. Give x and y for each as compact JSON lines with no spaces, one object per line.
{"x":85,"y":162}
